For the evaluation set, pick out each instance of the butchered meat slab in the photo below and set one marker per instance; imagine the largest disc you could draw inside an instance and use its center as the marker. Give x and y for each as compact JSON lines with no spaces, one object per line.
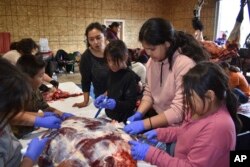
{"x":83,"y":142}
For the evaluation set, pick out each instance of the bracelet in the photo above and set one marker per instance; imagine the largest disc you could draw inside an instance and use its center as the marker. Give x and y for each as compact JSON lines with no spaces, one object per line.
{"x":150,"y":123}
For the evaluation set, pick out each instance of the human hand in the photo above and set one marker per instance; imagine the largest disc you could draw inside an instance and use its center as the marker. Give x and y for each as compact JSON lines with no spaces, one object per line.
{"x":108,"y":104}
{"x":35,"y":148}
{"x":66,"y":115}
{"x":137,"y":116}
{"x":44,"y":88}
{"x":151,"y":136}
{"x":80,"y":105}
{"x":99,"y":100}
{"x":134,"y":127}
{"x":48,"y":122}
{"x":138,"y":150}
{"x":54,"y":83}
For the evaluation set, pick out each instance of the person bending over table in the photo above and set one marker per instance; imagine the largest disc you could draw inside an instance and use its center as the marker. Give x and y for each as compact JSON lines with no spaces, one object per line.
{"x":172,"y":53}
{"x":15,"y":92}
{"x":210,"y":115}
{"x":34,"y":68}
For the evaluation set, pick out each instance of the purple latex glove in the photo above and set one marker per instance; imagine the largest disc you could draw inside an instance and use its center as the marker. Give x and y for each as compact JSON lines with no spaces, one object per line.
{"x":151,"y":136}
{"x":134,"y":127}
{"x":66,"y":115}
{"x":35,"y":148}
{"x":137,"y":116}
{"x":47,"y":114}
{"x":48,"y":122}
{"x":138,"y":150}
{"x":108,"y":104}
{"x":98,"y":101}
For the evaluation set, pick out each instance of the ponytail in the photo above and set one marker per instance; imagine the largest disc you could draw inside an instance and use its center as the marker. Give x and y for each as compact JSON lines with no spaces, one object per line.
{"x":232,"y":106}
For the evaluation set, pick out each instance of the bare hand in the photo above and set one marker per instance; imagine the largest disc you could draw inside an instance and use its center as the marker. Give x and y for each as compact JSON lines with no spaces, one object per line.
{"x":80,"y":105}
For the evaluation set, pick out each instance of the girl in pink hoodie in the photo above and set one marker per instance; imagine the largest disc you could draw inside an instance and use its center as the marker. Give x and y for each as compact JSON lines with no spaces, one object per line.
{"x":172,"y":53}
{"x":210,"y":116}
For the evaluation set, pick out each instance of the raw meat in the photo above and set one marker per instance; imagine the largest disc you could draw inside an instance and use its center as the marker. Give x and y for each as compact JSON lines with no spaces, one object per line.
{"x":84,"y":142}
{"x":55,"y":94}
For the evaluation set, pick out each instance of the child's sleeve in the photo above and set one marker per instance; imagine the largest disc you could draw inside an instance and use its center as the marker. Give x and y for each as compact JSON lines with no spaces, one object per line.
{"x":125,"y":106}
{"x":167,"y":135}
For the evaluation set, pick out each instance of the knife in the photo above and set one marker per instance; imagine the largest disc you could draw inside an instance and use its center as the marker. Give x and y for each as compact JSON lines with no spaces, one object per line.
{"x":100,"y":109}
{"x":98,"y":112}
{"x":136,"y":136}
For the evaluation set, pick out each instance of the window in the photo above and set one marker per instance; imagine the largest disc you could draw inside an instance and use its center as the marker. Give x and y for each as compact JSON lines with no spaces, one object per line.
{"x":228,"y":12}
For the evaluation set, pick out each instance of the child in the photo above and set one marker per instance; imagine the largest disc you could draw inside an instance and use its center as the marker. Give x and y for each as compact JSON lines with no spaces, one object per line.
{"x":212,"y":107}
{"x":121,"y":86}
{"x":15,"y":91}
{"x":237,"y":82}
{"x":34,"y":68}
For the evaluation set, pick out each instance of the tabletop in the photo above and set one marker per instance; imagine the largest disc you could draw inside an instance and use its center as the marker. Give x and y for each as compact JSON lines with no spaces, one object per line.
{"x":65,"y":105}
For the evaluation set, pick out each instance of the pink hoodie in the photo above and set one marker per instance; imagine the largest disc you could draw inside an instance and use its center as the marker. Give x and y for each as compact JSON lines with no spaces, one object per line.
{"x":164,"y":87}
{"x":202,"y":143}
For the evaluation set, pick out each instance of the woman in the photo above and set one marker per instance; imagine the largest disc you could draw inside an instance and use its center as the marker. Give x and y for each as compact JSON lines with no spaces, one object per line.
{"x":93,"y":67}
{"x":172,"y":54}
{"x":27,"y":46}
{"x":112,"y":31}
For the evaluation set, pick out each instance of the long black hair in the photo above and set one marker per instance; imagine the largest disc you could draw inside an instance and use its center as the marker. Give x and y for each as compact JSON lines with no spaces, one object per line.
{"x":209,"y":76}
{"x":231,"y":68}
{"x":26,"y":45}
{"x":15,"y":91}
{"x":156,"y":31}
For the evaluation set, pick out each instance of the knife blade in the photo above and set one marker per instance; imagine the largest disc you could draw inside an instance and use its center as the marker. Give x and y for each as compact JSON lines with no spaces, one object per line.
{"x":98,"y":112}
{"x":52,"y":133}
{"x":136,"y":136}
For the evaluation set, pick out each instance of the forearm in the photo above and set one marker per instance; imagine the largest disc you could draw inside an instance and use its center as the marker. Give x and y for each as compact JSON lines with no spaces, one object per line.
{"x":155,"y":122}
{"x":144,"y":106}
{"x":26,"y":162}
{"x":24,"y":118}
{"x":54,"y":110}
{"x":86,"y":97}
{"x":47,"y":78}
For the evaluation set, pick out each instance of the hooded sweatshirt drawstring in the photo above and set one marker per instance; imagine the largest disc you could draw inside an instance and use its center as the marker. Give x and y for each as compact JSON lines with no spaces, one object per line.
{"x":161,"y":74}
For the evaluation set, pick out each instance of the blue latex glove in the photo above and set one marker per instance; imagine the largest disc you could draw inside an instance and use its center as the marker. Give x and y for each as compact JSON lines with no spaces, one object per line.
{"x":47,"y":114}
{"x":151,"y":136}
{"x":134,"y":127}
{"x":99,"y":100}
{"x":138,"y":150}
{"x":35,"y":148}
{"x":66,"y":115}
{"x":108,"y":104}
{"x":137,"y":116}
{"x":48,"y":122}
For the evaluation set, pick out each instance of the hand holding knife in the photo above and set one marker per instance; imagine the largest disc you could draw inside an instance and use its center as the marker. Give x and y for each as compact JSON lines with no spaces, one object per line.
{"x":100,"y":109}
